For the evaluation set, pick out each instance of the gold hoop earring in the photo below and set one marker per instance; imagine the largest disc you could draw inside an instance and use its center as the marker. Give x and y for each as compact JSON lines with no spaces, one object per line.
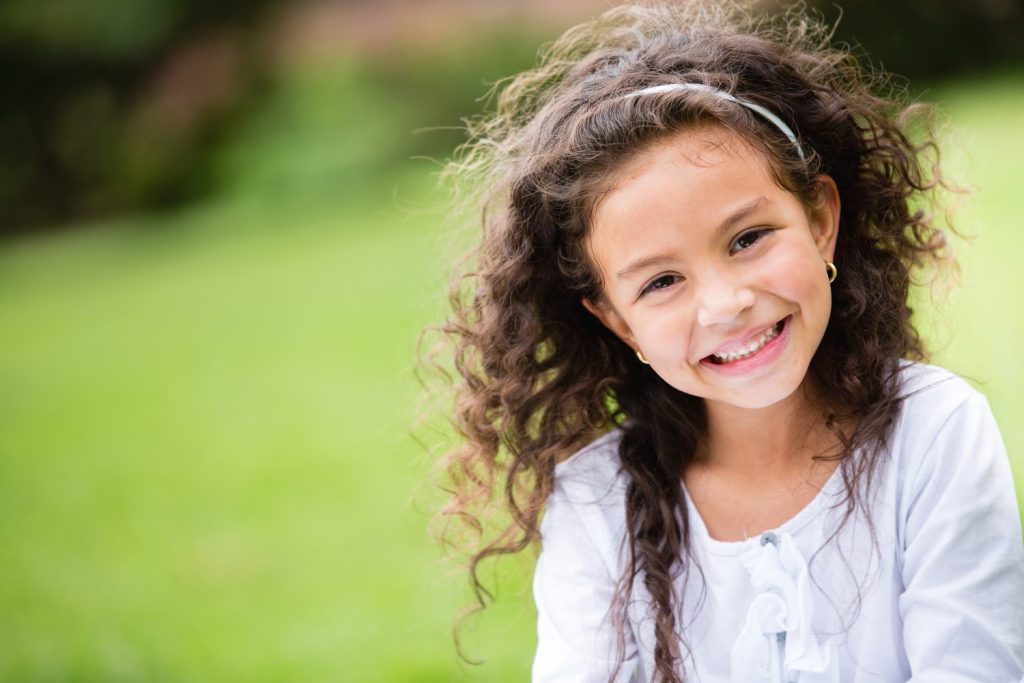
{"x":640,"y":355}
{"x":831,"y":271}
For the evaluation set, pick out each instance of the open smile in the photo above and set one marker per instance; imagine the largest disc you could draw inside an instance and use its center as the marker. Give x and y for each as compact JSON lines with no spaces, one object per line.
{"x":753,"y":353}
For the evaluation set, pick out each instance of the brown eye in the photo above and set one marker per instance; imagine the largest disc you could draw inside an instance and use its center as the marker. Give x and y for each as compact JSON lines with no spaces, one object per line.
{"x":660,"y":282}
{"x":748,"y":239}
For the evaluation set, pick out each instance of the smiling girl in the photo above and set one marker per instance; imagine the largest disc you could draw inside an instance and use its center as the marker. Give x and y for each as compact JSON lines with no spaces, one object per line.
{"x":690,"y":369}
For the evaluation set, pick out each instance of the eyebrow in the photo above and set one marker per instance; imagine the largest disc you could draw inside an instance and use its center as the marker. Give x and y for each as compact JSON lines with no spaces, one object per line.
{"x":728,"y":224}
{"x":740,"y":214}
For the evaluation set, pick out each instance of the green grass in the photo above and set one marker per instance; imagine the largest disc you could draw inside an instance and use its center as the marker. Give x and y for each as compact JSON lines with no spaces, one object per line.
{"x":978,"y":326}
{"x":205,"y":466}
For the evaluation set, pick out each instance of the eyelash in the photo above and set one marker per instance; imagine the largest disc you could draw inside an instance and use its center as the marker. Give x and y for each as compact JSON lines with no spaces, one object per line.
{"x":756,"y":233}
{"x":650,"y":287}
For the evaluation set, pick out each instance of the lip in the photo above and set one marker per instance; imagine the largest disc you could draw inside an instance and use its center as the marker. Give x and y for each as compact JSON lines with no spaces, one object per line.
{"x":743,"y":340}
{"x":765,"y":355}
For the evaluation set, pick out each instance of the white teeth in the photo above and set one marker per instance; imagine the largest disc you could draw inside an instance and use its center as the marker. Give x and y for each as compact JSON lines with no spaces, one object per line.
{"x":750,"y":348}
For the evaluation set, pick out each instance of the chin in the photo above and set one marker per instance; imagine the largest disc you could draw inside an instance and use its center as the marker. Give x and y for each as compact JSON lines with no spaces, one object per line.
{"x":760,"y":402}
{"x":759,"y":395}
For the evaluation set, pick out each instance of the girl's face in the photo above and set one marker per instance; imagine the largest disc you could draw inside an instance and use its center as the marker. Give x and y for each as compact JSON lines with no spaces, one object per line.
{"x":712,"y":270}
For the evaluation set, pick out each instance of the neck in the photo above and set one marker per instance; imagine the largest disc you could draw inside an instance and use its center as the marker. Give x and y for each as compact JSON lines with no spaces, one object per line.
{"x":764,"y":442}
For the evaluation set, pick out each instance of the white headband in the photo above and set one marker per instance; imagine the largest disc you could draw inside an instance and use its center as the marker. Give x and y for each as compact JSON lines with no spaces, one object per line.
{"x":756,"y":108}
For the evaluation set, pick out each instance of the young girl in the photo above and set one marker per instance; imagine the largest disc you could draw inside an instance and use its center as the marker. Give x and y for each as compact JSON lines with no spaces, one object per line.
{"x":690,"y":370}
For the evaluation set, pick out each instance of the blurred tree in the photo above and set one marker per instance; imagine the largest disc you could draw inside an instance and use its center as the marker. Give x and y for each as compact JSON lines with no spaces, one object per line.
{"x":932,"y":39}
{"x":106,"y":103}
{"x":110,"y":105}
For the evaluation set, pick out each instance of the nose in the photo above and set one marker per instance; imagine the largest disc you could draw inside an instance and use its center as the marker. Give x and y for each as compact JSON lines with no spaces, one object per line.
{"x":722,"y":301}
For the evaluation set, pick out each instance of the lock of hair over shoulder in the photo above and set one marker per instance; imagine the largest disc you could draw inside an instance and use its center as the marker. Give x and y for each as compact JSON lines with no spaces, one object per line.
{"x":537,"y":376}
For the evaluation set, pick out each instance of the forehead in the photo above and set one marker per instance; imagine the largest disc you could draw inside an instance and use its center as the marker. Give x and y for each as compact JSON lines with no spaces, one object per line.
{"x":697,"y":154}
{"x":690,"y":177}
{"x":680,"y":187}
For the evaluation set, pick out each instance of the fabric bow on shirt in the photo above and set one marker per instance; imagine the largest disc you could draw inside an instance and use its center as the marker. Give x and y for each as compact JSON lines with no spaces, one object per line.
{"x":777,"y":645}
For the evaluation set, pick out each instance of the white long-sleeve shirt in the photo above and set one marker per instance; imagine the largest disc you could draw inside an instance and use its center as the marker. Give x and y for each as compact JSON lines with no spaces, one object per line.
{"x":936,"y":597}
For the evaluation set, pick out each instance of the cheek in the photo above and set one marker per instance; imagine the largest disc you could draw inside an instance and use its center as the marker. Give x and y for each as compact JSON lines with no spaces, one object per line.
{"x":800,"y":273}
{"x":806,"y":287}
{"x":663,"y":332}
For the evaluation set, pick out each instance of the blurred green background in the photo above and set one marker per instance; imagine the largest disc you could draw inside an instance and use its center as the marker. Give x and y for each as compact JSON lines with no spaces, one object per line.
{"x":219,"y":240}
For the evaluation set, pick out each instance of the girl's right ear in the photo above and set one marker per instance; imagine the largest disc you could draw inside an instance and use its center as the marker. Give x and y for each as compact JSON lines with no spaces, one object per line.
{"x":604,"y":312}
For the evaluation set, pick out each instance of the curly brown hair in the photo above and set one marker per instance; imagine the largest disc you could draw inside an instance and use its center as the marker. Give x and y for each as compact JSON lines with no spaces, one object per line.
{"x":540,"y":376}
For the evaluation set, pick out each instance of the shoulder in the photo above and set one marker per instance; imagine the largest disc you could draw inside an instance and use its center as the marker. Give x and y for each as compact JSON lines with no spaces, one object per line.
{"x":942,"y":425}
{"x":945,"y":429}
{"x":587,"y":503}
{"x":931,"y":397}
{"x":958,"y":531}
{"x":594,"y":473}
{"x":581,"y":561}
{"x":925,"y":382}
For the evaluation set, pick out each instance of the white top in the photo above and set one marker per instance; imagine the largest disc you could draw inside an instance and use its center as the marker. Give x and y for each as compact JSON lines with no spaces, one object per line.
{"x":941,"y":599}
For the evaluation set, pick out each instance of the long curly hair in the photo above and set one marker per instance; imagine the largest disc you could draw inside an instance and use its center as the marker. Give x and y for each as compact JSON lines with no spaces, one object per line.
{"x":538,"y":376}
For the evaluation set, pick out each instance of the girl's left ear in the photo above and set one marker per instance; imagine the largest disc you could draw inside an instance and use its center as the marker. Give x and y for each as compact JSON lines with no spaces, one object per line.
{"x":823,"y":216}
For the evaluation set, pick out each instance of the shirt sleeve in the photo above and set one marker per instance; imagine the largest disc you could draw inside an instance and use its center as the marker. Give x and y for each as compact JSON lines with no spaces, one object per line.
{"x":963,"y":561}
{"x":573,"y":588}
